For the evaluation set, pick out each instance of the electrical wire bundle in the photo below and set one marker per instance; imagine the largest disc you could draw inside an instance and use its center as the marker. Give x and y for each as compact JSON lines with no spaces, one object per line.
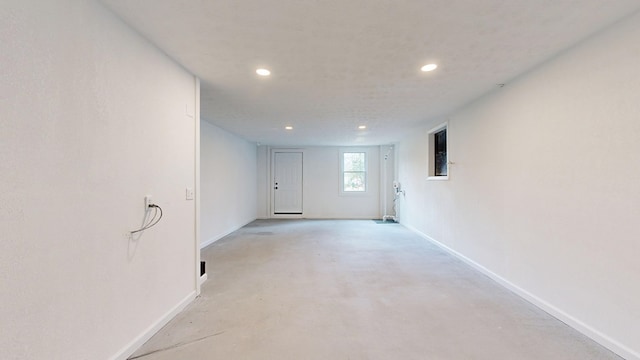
{"x":153,"y":221}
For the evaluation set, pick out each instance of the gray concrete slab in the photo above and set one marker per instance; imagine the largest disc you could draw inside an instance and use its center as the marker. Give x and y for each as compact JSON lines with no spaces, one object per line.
{"x":354,"y":289}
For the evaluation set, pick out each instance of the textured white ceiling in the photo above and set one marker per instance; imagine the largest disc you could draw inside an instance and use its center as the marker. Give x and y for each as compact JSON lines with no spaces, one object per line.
{"x":337,"y":64}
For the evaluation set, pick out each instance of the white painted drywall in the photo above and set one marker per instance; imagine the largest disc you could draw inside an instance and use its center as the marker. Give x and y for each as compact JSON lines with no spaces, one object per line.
{"x":228,"y":173}
{"x":92,"y":119}
{"x":545,"y":189}
{"x":263,"y":182}
{"x":387,"y":176}
{"x":322,"y":198}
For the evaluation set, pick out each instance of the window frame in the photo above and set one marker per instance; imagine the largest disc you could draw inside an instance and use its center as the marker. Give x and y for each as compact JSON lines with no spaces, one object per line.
{"x":431,"y":152}
{"x":342,"y":171}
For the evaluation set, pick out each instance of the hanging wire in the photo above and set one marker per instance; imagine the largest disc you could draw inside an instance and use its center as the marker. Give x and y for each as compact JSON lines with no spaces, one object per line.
{"x":153,"y":221}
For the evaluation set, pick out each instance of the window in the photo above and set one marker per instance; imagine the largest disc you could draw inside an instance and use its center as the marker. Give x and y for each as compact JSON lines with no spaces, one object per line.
{"x":354,"y":171}
{"x":438,"y":153}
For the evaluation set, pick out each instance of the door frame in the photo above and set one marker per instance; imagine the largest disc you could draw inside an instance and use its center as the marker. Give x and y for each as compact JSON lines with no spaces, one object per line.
{"x":271,"y":183}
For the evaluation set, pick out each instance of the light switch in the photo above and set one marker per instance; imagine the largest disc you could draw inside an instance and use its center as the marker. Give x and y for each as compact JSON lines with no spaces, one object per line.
{"x":189,"y":194}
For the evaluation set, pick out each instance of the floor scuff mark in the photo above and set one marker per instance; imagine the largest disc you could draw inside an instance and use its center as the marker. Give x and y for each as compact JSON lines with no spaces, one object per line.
{"x":175,"y":346}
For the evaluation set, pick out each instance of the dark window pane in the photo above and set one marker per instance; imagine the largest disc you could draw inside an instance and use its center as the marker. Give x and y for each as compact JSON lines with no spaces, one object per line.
{"x":440,"y":149}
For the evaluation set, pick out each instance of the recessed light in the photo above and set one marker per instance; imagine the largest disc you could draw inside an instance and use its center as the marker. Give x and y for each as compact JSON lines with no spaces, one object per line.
{"x":263,"y":72}
{"x":429,"y":67}
{"x":362,"y":127}
{"x":288,"y":127}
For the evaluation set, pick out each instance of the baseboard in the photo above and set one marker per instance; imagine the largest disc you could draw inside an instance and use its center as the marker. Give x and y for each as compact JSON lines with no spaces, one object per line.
{"x":203,"y":278}
{"x":136,"y":343}
{"x":220,"y":236}
{"x":595,"y":335}
{"x":287,"y":216}
{"x":213,"y":239}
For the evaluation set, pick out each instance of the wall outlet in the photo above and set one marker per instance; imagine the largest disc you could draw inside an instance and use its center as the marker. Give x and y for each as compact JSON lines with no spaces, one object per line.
{"x":189,"y":193}
{"x":147,"y":201}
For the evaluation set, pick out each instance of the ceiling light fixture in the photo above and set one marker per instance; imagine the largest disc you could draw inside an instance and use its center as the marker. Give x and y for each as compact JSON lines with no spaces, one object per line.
{"x":263,"y":72}
{"x":429,"y":67}
{"x":362,"y":127}
{"x":288,"y":127}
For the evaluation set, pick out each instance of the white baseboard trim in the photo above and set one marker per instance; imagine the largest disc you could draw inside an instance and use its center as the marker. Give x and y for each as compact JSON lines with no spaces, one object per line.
{"x":214,"y":239}
{"x":597,"y":336}
{"x":135,"y":344}
{"x":287,"y":216}
{"x":220,"y":236}
{"x":203,"y":278}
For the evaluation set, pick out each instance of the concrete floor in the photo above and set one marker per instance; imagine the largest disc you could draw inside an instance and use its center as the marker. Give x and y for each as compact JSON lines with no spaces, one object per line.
{"x":354,"y":289}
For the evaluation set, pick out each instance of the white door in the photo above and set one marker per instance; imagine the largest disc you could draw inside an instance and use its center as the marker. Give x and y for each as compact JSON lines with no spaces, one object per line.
{"x":287,"y":183}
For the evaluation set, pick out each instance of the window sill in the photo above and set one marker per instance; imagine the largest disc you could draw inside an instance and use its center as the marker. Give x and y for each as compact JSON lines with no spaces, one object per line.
{"x":354,"y":193}
{"x":438,"y":178}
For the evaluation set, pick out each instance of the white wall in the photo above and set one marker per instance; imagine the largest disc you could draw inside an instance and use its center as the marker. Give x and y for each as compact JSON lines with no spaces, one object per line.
{"x":545,"y":190}
{"x":387,"y":176}
{"x":264,"y":185}
{"x":228,"y":172}
{"x":92,"y":119}
{"x":321,"y":185}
